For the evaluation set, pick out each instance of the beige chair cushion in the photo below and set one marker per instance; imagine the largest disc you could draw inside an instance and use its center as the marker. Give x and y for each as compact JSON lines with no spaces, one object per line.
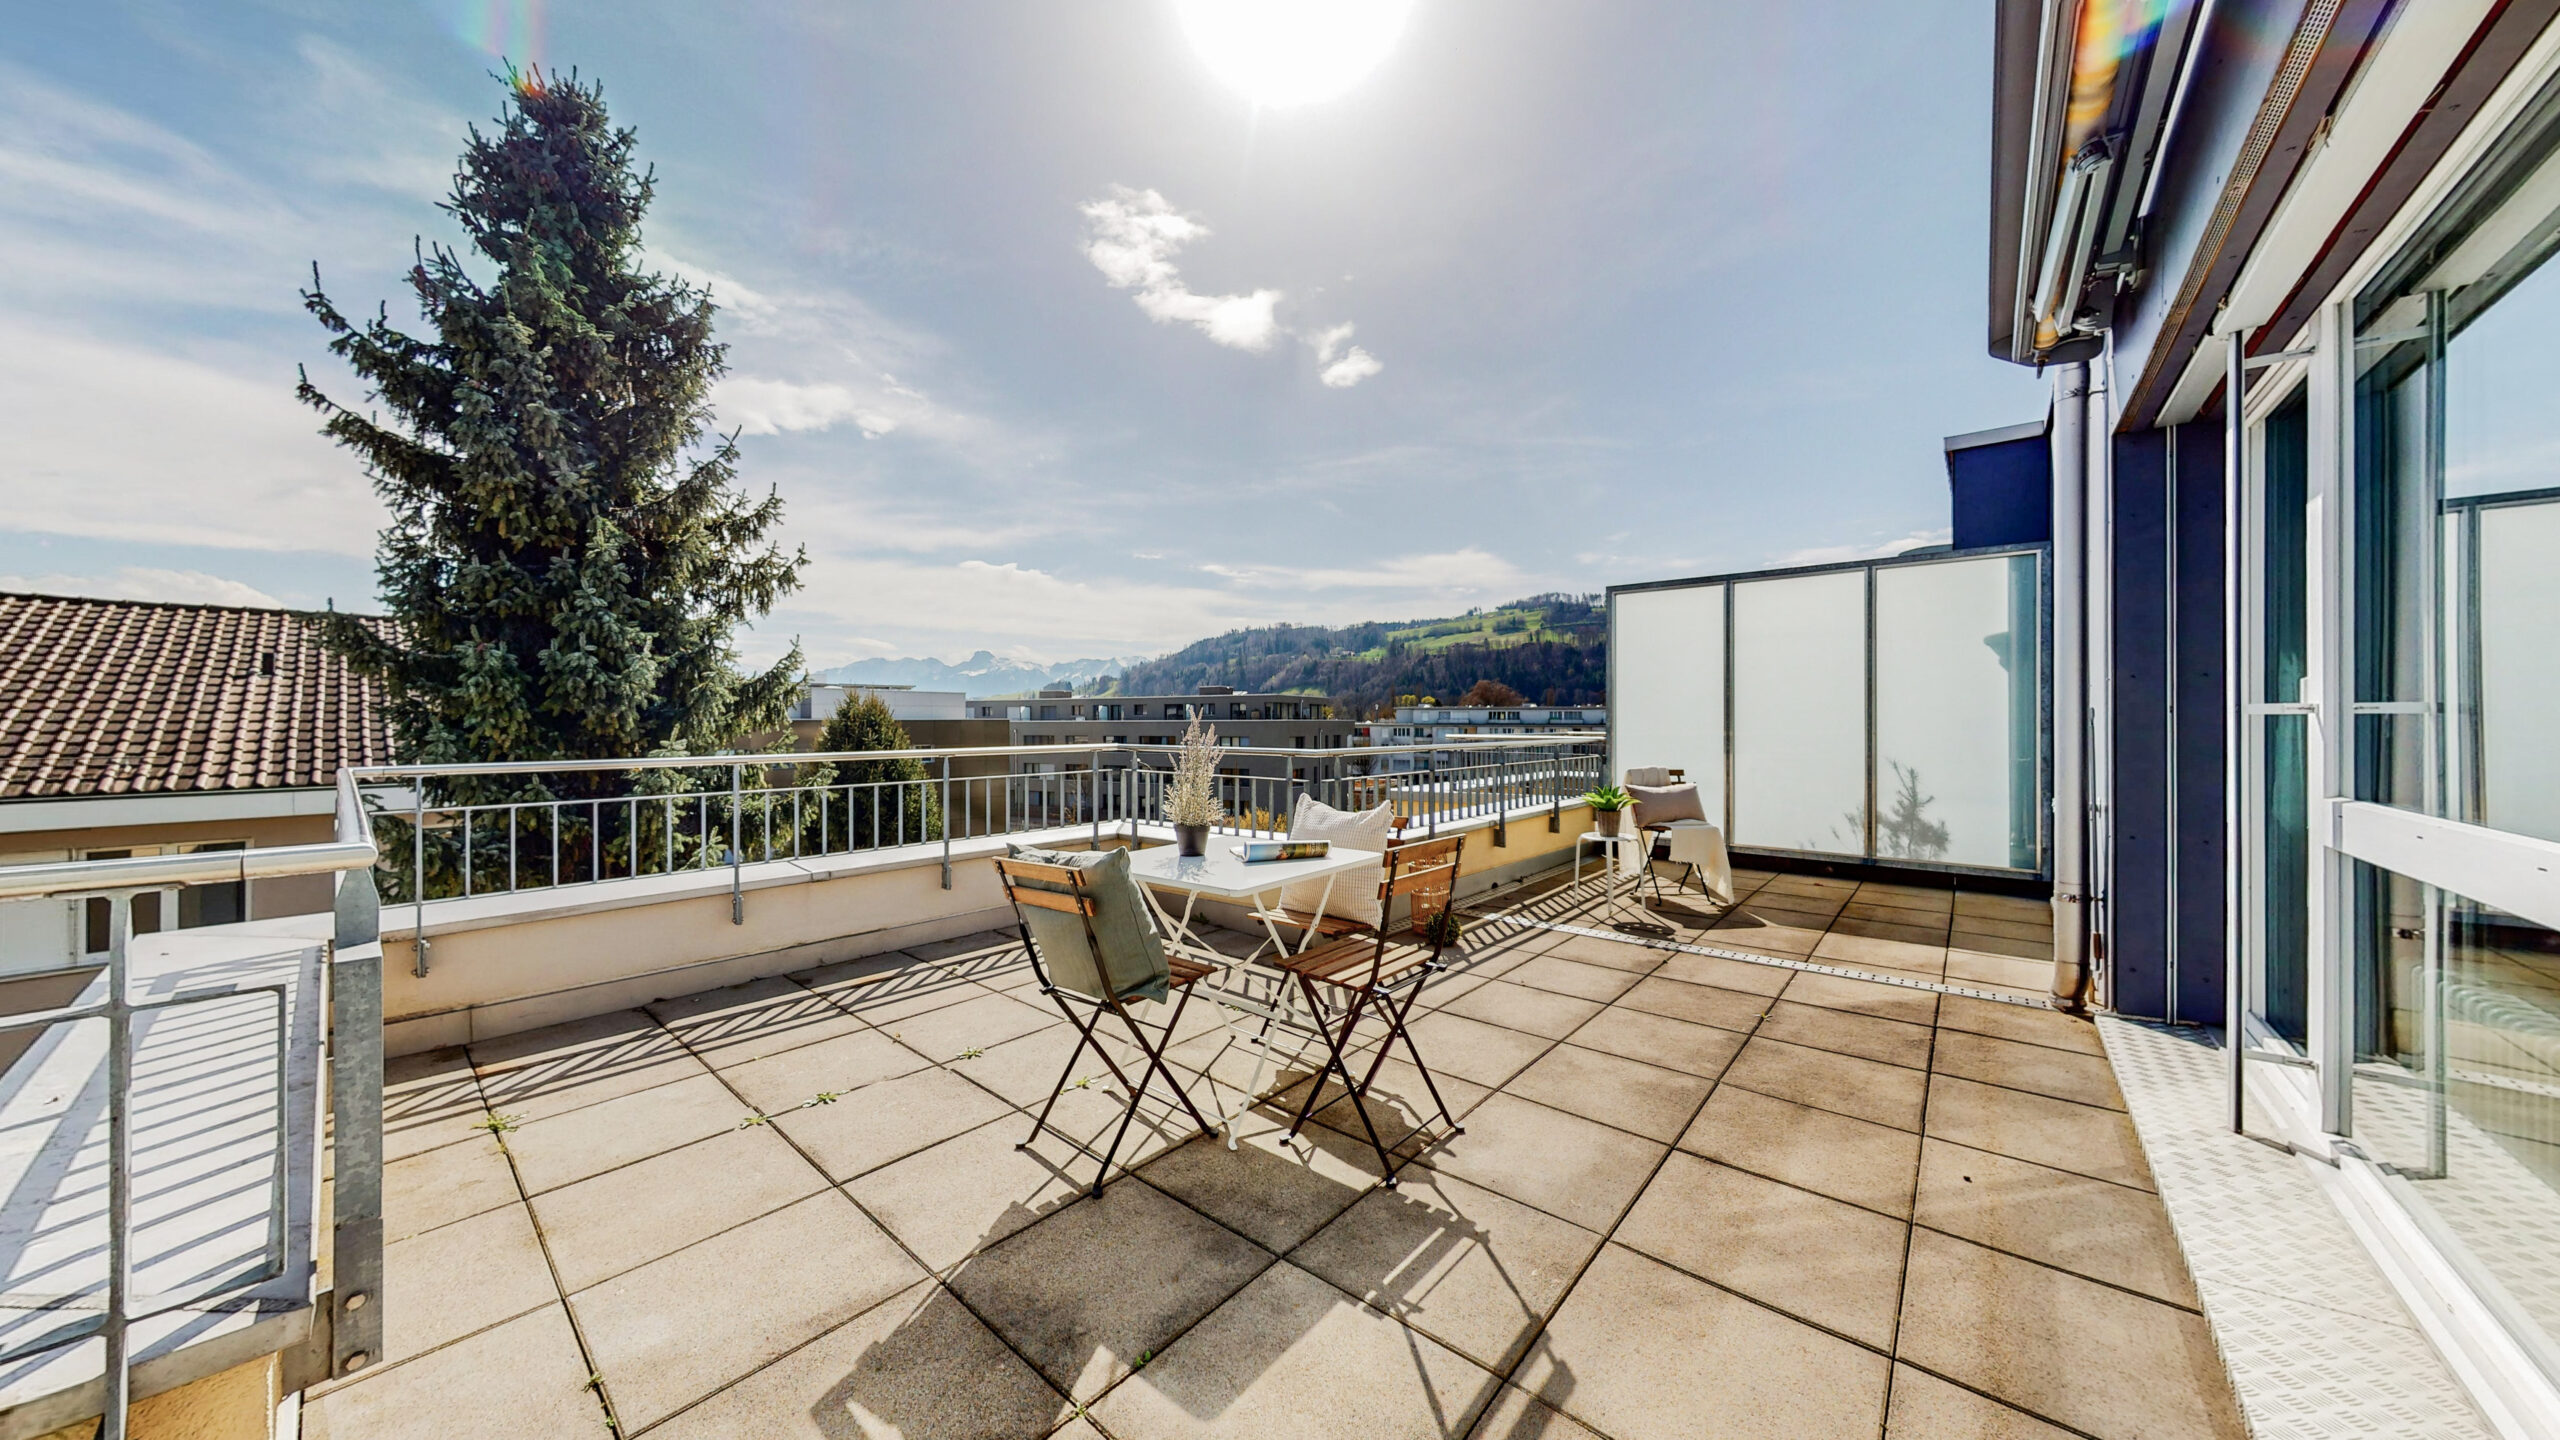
{"x":1355,"y":895}
{"x":1662,"y":804}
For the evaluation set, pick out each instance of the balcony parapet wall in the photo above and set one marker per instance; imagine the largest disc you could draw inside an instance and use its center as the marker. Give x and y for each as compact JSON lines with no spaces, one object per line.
{"x":499,"y":964}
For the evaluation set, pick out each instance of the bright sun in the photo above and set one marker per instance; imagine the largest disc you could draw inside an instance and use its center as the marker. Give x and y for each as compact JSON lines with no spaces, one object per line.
{"x":1293,"y":52}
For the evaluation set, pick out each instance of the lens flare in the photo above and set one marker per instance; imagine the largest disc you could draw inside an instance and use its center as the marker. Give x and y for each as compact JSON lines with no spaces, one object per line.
{"x":501,"y":29}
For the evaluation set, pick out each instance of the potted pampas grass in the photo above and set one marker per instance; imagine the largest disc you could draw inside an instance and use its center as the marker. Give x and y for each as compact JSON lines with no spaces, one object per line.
{"x":1191,"y":802}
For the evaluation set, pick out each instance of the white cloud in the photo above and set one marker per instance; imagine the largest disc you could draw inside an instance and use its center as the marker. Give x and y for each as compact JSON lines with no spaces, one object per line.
{"x":1133,"y":239}
{"x":142,"y":582}
{"x":1349,"y":368}
{"x":123,"y":442}
{"x":1836,"y":554}
{"x":770,"y":407}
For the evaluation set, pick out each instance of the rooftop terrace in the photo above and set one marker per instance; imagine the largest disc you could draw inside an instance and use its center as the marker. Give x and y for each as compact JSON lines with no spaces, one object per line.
{"x":1694,"y":1195}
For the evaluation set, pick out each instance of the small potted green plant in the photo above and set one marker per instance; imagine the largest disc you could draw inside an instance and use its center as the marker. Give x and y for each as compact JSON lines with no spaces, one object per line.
{"x":1191,"y":801}
{"x":1606,"y":803}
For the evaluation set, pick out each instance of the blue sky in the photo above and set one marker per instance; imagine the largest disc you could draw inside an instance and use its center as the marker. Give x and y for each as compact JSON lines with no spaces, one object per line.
{"x":1036,"y":323}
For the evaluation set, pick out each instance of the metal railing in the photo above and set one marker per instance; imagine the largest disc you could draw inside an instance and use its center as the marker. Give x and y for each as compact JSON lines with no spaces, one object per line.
{"x":465,"y":831}
{"x":116,"y":882}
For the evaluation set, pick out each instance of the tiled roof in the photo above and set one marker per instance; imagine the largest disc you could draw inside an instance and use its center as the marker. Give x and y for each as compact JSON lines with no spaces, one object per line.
{"x":118,"y":697}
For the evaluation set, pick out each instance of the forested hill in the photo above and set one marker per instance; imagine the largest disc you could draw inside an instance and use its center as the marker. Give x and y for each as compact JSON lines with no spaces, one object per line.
{"x":1553,"y":649}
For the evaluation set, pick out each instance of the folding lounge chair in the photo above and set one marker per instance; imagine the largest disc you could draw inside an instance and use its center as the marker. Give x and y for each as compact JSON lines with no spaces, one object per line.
{"x":1369,"y":973}
{"x":1094,"y":947}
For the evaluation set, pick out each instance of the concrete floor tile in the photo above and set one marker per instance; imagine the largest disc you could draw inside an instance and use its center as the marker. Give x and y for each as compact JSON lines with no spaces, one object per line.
{"x":1463,"y":1265}
{"x":980,"y":1023}
{"x":1612,"y":954}
{"x":1517,"y":1007}
{"x":680,"y":1327}
{"x":2083,"y":1139}
{"x":1892,"y":1002}
{"x":1399,"y":1104}
{"x":564,"y":1082}
{"x":1640,"y":1351}
{"x":884,"y":989}
{"x":1700,"y":1050}
{"x":2033,"y":1025}
{"x":2016,"y":909}
{"x":1088,"y":1291}
{"x":428,"y":1102}
{"x":1724,"y":974}
{"x":1928,"y":1408}
{"x":2012,"y":964}
{"x":1779,"y":933}
{"x":978,"y":945}
{"x":449,"y":1183}
{"x":2039,"y":929}
{"x":626,"y":1218}
{"x":2022,"y":1332}
{"x":1629,"y":1094}
{"x":462,"y":1277}
{"x":1928,"y":931}
{"x":762,"y":1017}
{"x":1444,"y":989}
{"x":1454,"y":1044}
{"x":1024,"y":1070}
{"x":1565,"y":976}
{"x":917,"y":1366}
{"x":559,"y":1149}
{"x":1842,"y":1084}
{"x":1698,"y":1004}
{"x":1865,"y":1164}
{"x":774,"y":1083}
{"x":1570,"y":1167}
{"x":1844,"y":1032}
{"x":1515,"y":1414}
{"x":523,"y":1380}
{"x":885,"y":1121}
{"x":1852,"y":950}
{"x":1908,"y":897}
{"x":1896,"y":914}
{"x":1271,"y":1189}
{"x":1813,"y":1257}
{"x":2039,"y":1068}
{"x":972,"y":1190}
{"x":2089,"y":1227}
{"x":1292,"y":1358}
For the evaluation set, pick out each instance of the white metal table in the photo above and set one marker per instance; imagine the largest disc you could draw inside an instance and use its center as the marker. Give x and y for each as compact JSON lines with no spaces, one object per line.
{"x":1239,"y":990}
{"x":1615,"y":845}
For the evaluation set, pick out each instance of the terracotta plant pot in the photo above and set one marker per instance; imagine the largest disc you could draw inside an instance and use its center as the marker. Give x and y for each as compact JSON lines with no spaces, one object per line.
{"x":1606,"y":821}
{"x":1190,"y":840}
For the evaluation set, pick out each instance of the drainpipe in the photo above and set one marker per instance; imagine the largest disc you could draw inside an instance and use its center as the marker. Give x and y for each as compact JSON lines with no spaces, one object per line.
{"x":2070,"y":446}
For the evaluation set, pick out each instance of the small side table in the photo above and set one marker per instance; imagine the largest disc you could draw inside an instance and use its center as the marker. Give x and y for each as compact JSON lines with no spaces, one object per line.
{"x":1610,"y":844}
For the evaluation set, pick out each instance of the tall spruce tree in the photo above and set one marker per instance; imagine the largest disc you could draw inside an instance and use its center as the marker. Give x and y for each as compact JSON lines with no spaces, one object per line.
{"x":567,"y":560}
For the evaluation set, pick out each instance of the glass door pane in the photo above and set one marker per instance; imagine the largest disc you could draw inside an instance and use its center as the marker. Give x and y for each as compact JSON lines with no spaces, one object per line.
{"x":2284,"y":800}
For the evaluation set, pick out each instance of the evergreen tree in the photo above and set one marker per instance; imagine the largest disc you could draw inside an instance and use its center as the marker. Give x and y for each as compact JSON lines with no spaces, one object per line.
{"x":566,"y":562}
{"x":889,"y":799}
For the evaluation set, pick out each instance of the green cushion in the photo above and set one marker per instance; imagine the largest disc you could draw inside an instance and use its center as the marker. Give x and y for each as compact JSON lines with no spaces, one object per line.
{"x":1131,"y":964}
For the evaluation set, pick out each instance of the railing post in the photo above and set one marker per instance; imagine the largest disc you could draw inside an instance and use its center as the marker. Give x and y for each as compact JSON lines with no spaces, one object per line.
{"x":1093,"y":797}
{"x":946,"y":820}
{"x":737,"y":881}
{"x":355,"y":1107}
{"x":119,"y":1362}
{"x":1555,"y":792}
{"x":418,"y":878}
{"x":1502,"y":800}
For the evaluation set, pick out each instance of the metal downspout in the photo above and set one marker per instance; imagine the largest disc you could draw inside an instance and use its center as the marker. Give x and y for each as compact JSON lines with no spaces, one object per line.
{"x":2070,"y":445}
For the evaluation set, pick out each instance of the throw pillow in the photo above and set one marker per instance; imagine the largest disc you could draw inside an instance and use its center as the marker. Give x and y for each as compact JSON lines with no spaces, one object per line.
{"x":1662,"y":804}
{"x":1355,"y":896}
{"x":1132,"y":963}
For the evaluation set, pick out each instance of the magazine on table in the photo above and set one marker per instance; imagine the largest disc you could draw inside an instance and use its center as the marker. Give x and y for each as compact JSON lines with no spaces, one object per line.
{"x":1256,"y":852}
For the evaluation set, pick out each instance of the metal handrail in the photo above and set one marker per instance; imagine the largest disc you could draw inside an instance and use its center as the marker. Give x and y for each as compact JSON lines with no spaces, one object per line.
{"x":117,"y":882}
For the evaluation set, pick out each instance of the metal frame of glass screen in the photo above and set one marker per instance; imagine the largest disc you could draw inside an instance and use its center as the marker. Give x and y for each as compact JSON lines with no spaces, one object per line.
{"x":2042,"y":719}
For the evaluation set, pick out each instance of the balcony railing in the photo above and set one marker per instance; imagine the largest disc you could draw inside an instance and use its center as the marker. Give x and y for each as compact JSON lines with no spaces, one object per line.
{"x":464,"y":831}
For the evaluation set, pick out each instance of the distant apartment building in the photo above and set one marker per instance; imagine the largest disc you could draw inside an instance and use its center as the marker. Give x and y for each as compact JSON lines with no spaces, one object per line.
{"x":1434,"y":724}
{"x":1245,"y":722}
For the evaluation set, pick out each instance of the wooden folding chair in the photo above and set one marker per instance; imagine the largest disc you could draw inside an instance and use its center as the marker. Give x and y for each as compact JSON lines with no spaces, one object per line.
{"x":1365,"y":974}
{"x":1072,"y":979}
